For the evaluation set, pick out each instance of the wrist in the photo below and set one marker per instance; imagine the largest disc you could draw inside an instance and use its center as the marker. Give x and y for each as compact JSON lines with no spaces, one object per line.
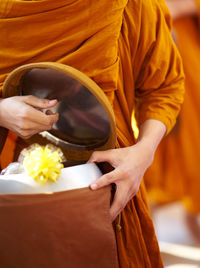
{"x":148,"y":147}
{"x":151,"y":133}
{"x":146,"y":150}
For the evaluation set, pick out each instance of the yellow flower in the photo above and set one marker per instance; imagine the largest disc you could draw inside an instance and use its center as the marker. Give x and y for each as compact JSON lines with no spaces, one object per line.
{"x":43,"y":163}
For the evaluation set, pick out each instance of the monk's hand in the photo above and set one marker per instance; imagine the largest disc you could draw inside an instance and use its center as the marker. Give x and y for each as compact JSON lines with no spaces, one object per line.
{"x":23,"y":115}
{"x":129,"y":164}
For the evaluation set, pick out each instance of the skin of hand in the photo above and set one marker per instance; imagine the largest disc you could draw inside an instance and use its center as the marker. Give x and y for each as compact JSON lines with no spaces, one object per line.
{"x":23,"y":115}
{"x":182,"y":8}
{"x":130,"y":164}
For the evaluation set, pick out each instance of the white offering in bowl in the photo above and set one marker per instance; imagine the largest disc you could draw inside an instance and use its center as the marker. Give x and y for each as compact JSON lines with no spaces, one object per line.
{"x":75,"y":177}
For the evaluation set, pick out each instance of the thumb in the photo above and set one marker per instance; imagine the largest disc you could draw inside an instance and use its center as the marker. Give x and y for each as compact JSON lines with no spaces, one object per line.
{"x":39,"y":103}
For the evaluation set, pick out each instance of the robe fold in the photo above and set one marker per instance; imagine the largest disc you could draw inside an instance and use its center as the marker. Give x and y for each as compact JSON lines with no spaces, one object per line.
{"x":126,"y":48}
{"x":174,"y":174}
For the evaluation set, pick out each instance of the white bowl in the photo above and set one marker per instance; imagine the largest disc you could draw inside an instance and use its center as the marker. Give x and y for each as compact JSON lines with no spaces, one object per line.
{"x":71,"y":178}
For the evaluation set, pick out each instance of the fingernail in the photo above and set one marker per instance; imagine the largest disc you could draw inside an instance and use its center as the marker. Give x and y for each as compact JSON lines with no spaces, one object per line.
{"x":52,"y":101}
{"x":93,"y":186}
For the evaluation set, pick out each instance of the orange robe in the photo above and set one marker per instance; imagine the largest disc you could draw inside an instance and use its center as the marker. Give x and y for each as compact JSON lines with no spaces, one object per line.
{"x":174,"y":174}
{"x":8,"y":151}
{"x":126,"y":48}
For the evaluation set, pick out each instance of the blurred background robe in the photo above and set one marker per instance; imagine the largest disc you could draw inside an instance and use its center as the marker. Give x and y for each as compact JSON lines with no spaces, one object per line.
{"x":175,"y":173}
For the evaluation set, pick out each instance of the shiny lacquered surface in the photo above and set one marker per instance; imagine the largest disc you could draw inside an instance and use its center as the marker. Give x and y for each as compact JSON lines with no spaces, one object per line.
{"x":83,"y":122}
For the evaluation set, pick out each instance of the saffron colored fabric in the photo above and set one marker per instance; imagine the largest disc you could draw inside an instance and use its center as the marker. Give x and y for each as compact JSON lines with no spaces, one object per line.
{"x":174,"y":174}
{"x":126,"y":48}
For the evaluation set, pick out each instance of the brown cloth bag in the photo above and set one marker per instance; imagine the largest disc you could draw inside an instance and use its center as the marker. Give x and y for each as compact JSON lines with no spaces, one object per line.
{"x":69,"y":229}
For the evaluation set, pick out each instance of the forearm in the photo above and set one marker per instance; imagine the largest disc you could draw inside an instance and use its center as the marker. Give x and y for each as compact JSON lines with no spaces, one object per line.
{"x":189,"y":8}
{"x":184,"y":8}
{"x":151,"y":133}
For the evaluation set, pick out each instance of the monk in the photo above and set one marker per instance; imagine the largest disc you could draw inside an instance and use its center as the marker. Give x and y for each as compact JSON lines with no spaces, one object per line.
{"x":181,"y":146}
{"x":176,"y":166}
{"x":126,"y":48}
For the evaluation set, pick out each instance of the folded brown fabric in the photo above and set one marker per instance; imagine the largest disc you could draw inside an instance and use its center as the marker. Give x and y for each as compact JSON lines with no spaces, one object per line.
{"x":67,"y":229}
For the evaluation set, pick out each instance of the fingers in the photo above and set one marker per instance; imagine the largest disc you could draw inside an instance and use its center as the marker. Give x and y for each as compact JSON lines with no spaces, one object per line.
{"x":104,"y":180}
{"x":48,"y":118}
{"x":31,"y":121}
{"x":39,"y":103}
{"x":100,"y":156}
{"x":49,"y":112}
{"x":119,"y":202}
{"x":43,"y":119}
{"x":24,"y":118}
{"x":27,"y":133}
{"x":122,"y":196}
{"x":30,"y":128}
{"x":29,"y":113}
{"x":34,"y":119}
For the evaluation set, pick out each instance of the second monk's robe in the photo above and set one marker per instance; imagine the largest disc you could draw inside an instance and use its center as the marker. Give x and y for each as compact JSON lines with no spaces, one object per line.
{"x":126,"y":48}
{"x":174,"y":174}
